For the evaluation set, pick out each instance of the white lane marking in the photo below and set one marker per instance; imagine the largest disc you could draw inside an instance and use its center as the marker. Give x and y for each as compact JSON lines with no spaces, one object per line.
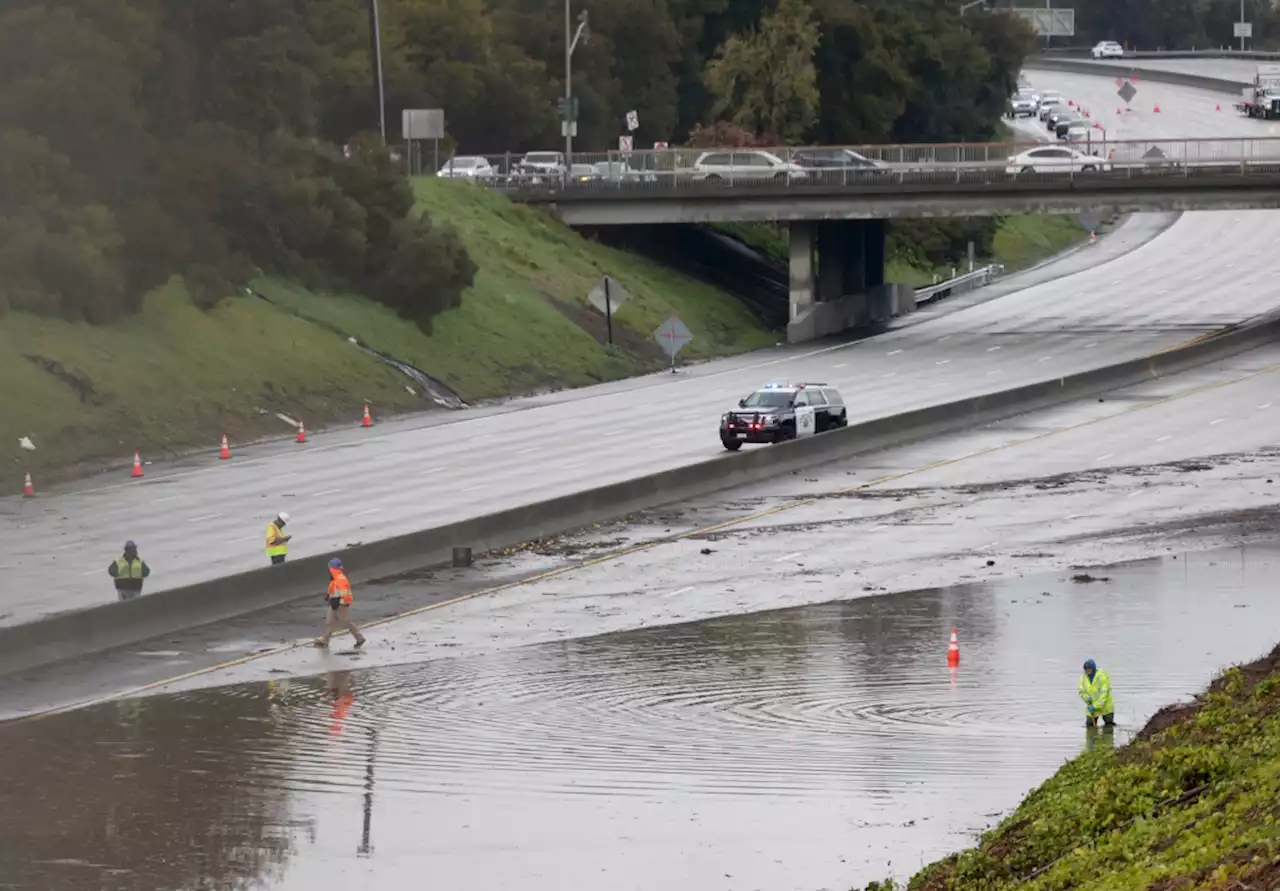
{"x":841,"y":365}
{"x":942,"y":362}
{"x":276,"y":479}
{"x":529,"y":451}
{"x":1071,"y":517}
{"x":205,"y":517}
{"x":65,"y":547}
{"x":237,"y":541}
{"x":785,"y":557}
{"x":1105,"y":457}
{"x":1089,"y":346}
{"x":167,"y":498}
{"x":679,"y":591}
{"x":878,"y":528}
{"x":1265,"y":405}
{"x":429,"y":471}
{"x":890,"y":374}
{"x":365,"y":513}
{"x":574,"y":466}
{"x":1044,"y":358}
{"x":1165,"y":438}
{"x":1135,"y":494}
{"x":993,"y":371}
{"x":326,"y":492}
{"x":992,"y":349}
{"x":1216,"y":421}
{"x":92,"y":572}
{"x":474,"y":488}
{"x":893,"y":352}
{"x":613,"y":433}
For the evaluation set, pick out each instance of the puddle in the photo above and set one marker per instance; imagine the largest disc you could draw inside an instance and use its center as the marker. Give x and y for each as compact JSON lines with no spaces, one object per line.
{"x":820,"y":747}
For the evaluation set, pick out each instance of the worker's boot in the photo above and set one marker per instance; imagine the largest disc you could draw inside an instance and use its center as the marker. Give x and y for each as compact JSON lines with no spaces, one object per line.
{"x":360,"y":641}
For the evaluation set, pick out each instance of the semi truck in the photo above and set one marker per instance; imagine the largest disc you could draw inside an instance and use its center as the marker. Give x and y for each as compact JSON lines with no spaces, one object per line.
{"x":1262,"y":98}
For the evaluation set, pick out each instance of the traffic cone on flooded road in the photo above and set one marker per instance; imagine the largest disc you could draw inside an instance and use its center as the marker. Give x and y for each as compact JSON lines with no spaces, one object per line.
{"x":1156,"y":109}
{"x":368,"y":421}
{"x":28,"y":490}
{"x":137,"y":465}
{"x":953,"y":650}
{"x":302,"y":432}
{"x":1093,"y":238}
{"x":224,"y":453}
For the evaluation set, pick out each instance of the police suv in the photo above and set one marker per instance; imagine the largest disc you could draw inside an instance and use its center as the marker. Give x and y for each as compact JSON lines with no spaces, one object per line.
{"x":779,"y":411}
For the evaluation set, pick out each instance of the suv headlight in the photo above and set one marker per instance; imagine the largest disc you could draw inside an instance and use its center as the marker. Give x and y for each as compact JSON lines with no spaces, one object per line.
{"x":768,"y":419}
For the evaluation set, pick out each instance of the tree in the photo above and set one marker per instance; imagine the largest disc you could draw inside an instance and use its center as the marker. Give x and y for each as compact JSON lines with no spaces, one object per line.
{"x":764,"y":79}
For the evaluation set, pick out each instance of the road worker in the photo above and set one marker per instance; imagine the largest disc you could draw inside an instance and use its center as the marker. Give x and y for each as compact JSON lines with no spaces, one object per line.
{"x":1095,"y":690}
{"x":339,"y":597}
{"x":277,"y":541}
{"x":128,"y":571}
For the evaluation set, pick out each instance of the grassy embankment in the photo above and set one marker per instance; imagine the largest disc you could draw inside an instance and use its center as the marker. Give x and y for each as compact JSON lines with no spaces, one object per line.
{"x":1192,"y":803}
{"x":172,"y":378}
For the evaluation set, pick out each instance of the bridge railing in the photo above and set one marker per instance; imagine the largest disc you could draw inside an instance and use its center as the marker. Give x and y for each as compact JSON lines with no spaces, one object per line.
{"x":969,"y":281}
{"x":666,"y":170}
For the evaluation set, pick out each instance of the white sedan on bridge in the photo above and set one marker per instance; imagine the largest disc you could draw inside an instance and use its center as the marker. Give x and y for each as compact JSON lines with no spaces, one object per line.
{"x":1055,"y":159}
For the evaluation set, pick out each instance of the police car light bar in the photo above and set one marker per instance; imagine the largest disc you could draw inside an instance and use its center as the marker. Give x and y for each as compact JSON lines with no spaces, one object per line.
{"x":776,"y":385}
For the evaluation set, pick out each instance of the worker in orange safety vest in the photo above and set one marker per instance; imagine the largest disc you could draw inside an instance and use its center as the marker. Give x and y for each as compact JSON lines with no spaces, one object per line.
{"x":339,"y":597}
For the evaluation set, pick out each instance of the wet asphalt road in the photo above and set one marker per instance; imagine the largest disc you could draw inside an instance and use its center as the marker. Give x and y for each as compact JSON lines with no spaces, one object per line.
{"x":1188,"y":462}
{"x":821,"y":747}
{"x":207,"y":521}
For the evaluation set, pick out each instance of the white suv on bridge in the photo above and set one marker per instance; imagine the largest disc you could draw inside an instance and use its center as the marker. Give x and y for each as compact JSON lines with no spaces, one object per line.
{"x":744,"y":165}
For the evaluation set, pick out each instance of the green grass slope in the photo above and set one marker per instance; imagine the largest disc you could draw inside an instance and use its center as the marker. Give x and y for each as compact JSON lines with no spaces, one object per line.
{"x":172,"y":378}
{"x":1193,"y":803}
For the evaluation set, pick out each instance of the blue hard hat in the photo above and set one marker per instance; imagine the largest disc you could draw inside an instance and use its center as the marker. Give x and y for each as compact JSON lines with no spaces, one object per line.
{"x":130,"y":545}
{"x":335,"y":563}
{"x":1090,"y":664}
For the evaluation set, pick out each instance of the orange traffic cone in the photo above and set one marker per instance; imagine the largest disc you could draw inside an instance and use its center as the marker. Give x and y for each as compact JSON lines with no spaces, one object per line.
{"x":28,"y":490}
{"x":368,"y":421}
{"x":1118,"y":111}
{"x":953,"y":650}
{"x":1093,"y":237}
{"x":302,"y":432}
{"x":1070,"y":103}
{"x":1217,"y":108}
{"x":137,"y":464}
{"x":1157,"y":109}
{"x":224,"y":452}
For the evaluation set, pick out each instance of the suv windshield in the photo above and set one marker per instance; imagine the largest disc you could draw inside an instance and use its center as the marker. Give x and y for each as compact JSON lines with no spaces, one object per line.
{"x":767,"y":399}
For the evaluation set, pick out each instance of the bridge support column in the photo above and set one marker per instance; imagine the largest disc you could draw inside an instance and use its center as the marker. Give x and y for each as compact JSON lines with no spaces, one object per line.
{"x":802,"y":284}
{"x":850,"y":289}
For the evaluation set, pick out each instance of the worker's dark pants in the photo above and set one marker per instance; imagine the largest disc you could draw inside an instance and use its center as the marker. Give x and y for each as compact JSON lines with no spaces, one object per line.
{"x":1108,"y":720}
{"x":277,"y":559}
{"x":129,"y":592}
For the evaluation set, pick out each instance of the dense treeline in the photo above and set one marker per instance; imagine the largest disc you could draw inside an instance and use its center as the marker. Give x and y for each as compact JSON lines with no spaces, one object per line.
{"x":144,"y":138}
{"x":1174,"y":24}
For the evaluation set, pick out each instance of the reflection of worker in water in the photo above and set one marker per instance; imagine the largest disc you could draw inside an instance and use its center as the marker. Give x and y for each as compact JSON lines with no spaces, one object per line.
{"x":1095,"y":690}
{"x":343,"y":698}
{"x":128,"y":572}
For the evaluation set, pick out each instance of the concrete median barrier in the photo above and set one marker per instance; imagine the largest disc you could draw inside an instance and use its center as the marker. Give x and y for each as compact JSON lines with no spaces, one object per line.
{"x":69,"y":635}
{"x":1122,"y":69}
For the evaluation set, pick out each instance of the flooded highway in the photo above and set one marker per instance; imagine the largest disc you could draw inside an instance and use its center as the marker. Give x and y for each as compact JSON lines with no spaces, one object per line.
{"x":817,"y":747}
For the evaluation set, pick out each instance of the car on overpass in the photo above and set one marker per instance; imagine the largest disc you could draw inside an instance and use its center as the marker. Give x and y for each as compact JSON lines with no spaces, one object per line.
{"x":1055,"y":159}
{"x":1107,"y":49}
{"x":473,"y":167}
{"x":744,"y":165}
{"x":837,"y":164}
{"x":779,"y":411}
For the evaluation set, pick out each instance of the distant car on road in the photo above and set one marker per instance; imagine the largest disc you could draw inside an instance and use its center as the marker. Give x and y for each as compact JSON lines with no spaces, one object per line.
{"x":1107,"y":49}
{"x":776,"y":411}
{"x":1049,"y":103}
{"x":473,"y":167}
{"x":1055,"y":159}
{"x":1023,"y":105}
{"x":745,"y":165}
{"x":837,"y":164}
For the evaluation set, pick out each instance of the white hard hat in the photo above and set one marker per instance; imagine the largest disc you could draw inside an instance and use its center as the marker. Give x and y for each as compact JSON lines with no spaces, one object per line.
{"x":282,"y":516}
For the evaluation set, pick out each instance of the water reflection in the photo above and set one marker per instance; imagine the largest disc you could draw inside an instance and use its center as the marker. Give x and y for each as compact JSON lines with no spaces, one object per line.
{"x":801,"y":748}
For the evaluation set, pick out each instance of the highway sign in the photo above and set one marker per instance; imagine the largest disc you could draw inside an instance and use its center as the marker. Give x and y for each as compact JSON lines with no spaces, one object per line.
{"x":633,"y":121}
{"x":673,"y":336}
{"x":658,"y":146}
{"x":1242,"y":29}
{"x":1127,"y":92}
{"x":607,"y":296}
{"x":625,"y":143}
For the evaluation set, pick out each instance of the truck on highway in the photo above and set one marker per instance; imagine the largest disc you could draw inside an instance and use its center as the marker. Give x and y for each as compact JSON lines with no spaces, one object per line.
{"x":1262,"y":98}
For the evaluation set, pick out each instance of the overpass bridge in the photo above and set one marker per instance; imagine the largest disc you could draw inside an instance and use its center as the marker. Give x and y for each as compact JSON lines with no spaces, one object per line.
{"x":836,"y":213}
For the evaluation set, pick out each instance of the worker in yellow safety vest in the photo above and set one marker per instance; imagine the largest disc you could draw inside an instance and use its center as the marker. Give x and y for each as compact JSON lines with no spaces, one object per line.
{"x":1095,"y":690}
{"x":277,"y":541}
{"x":339,"y":596}
{"x":128,"y":572}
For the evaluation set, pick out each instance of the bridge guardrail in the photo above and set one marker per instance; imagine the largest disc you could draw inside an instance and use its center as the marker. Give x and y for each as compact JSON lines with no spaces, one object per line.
{"x":969,"y":281}
{"x":1122,"y":68}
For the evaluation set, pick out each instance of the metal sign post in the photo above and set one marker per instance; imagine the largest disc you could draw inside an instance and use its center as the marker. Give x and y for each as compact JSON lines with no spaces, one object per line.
{"x":606,"y":296}
{"x":673,"y":336}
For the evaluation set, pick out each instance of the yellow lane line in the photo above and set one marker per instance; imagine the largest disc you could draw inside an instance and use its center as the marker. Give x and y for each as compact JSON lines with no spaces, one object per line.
{"x":649,"y":545}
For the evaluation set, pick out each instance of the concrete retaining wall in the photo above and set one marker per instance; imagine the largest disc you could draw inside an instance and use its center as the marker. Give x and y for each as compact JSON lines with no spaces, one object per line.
{"x":1156,"y":75}
{"x":72,"y":634}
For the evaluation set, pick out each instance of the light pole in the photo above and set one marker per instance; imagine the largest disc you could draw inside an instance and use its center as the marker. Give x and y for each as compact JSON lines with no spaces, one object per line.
{"x":571,"y":39}
{"x":375,"y":32}
{"x":1241,"y":25}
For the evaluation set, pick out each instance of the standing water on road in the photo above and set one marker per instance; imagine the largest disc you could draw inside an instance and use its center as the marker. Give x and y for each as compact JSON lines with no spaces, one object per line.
{"x":810,"y":748}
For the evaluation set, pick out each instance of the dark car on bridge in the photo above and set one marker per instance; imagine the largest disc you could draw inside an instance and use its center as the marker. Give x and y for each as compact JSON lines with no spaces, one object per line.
{"x":838,"y":165}
{"x":780,"y":411}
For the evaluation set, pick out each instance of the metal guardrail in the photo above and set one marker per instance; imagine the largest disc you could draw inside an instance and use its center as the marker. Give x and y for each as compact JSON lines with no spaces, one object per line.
{"x":665,"y":172}
{"x":1226,"y":52}
{"x":969,"y":281}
